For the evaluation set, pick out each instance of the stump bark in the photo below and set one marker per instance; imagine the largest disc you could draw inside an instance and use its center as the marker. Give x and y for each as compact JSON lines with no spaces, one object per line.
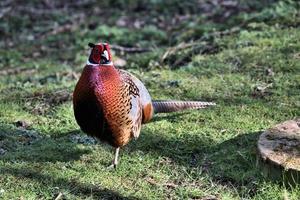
{"x":279,"y":152}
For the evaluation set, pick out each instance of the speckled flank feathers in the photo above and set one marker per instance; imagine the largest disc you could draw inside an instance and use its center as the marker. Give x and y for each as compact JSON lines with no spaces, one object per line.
{"x":117,"y":100}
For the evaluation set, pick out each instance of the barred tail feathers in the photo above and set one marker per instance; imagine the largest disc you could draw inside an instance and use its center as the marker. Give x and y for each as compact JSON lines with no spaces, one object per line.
{"x":174,"y":106}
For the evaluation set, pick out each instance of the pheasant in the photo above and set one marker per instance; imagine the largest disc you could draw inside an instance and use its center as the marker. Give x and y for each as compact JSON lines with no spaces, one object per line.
{"x":111,"y":104}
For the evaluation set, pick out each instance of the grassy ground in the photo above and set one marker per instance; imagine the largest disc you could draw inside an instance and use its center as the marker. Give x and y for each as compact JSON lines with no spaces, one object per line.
{"x":244,"y":55}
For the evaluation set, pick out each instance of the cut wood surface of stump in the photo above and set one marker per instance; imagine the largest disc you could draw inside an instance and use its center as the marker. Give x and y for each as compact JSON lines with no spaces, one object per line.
{"x":279,"y":152}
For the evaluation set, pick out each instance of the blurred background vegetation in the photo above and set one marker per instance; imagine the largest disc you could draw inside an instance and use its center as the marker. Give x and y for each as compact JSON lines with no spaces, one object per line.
{"x":62,"y":29}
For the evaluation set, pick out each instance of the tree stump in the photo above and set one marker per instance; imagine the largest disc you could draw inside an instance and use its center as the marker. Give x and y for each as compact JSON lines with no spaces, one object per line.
{"x":279,"y":152}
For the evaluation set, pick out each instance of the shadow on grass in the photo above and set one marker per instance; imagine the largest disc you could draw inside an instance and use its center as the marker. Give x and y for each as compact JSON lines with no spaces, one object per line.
{"x":30,"y":146}
{"x":171,"y":117}
{"x":82,"y":190}
{"x":234,"y":161}
{"x":230,"y":163}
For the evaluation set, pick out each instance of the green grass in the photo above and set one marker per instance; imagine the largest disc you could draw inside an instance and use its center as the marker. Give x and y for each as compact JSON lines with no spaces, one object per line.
{"x":253,"y":74}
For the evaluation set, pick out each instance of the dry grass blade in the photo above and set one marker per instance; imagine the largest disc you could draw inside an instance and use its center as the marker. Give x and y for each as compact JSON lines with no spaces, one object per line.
{"x":59,"y":196}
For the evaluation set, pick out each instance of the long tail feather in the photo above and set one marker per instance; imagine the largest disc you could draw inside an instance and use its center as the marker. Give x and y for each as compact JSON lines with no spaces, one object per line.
{"x":174,"y":106}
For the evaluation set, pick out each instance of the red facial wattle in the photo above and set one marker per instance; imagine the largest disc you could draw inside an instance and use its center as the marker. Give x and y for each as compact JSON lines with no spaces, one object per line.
{"x":96,"y":54}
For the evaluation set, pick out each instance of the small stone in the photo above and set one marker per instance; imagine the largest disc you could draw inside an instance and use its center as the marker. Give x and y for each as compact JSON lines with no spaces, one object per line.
{"x":174,"y":83}
{"x":270,"y":72}
{"x":122,"y":21}
{"x":2,"y":151}
{"x":22,"y":123}
{"x":82,"y":139}
{"x":119,"y":62}
{"x":28,"y":137}
{"x":36,"y":54}
{"x":262,"y":90}
{"x":137,"y":24}
{"x":30,"y":37}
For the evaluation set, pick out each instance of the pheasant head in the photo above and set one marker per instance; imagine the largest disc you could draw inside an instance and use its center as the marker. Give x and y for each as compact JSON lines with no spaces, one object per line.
{"x":100,"y":54}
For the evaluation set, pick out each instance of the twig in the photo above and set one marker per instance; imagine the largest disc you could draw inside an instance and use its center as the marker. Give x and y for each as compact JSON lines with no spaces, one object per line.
{"x":76,"y":21}
{"x":4,"y":11}
{"x":59,"y":196}
{"x":4,"y":3}
{"x":80,"y":3}
{"x":210,"y":198}
{"x":225,"y":32}
{"x":60,"y":29}
{"x":183,"y":45}
{"x":180,"y":46}
{"x":39,"y":12}
{"x":129,"y":49}
{"x":169,"y":185}
{"x":9,"y":71}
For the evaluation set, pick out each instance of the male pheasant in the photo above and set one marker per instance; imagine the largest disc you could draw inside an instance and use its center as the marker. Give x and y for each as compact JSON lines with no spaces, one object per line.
{"x":112,"y":104}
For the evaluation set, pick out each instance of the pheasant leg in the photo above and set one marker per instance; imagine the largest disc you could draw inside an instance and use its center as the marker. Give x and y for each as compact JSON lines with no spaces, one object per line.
{"x":115,"y":160}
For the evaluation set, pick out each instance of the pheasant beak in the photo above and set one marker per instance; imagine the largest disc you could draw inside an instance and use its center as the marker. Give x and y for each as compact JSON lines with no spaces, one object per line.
{"x":104,"y":57}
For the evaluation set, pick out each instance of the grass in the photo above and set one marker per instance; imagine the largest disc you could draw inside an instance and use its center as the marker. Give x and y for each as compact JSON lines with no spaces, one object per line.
{"x":248,"y":63}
